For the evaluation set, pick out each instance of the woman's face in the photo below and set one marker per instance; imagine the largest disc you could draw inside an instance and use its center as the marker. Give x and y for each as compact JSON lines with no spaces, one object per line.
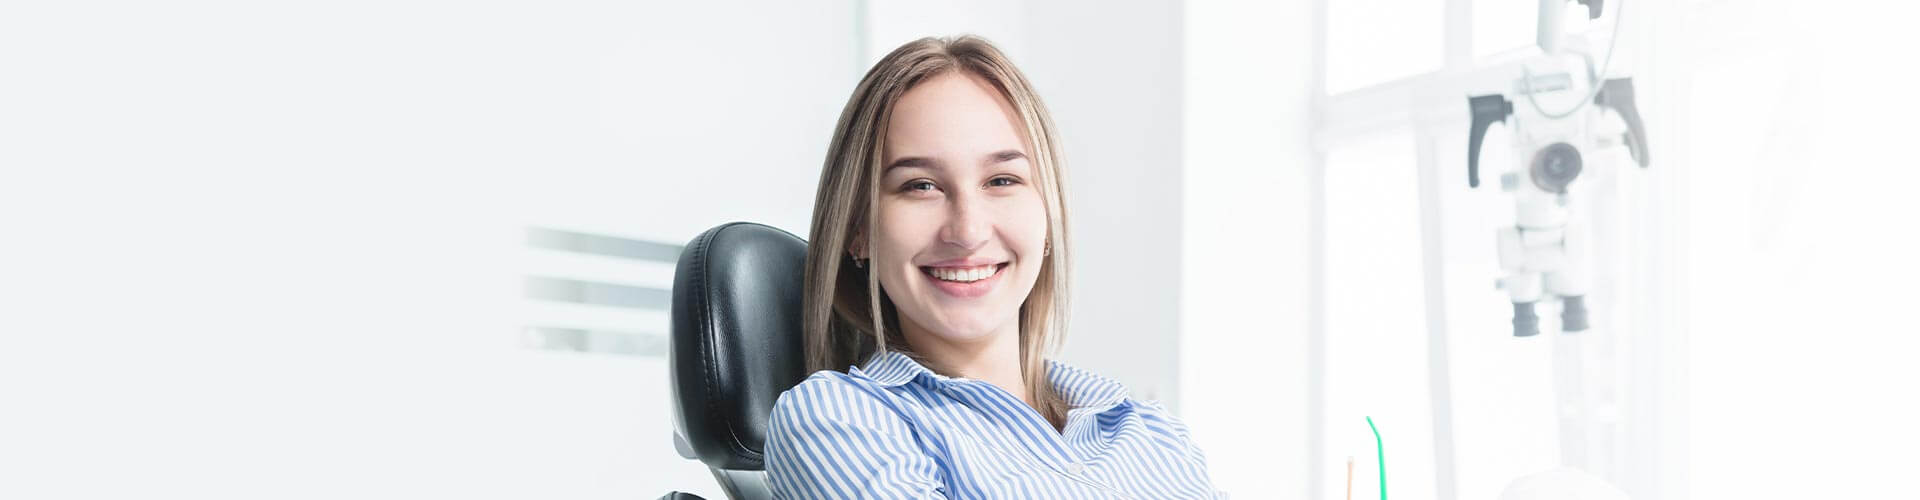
{"x":961,"y":221}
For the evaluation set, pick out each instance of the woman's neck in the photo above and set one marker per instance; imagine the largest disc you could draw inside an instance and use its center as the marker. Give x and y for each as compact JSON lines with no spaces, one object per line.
{"x":994,"y":358}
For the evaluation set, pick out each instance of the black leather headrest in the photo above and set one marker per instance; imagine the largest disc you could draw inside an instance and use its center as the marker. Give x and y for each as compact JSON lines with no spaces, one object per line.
{"x":736,"y":342}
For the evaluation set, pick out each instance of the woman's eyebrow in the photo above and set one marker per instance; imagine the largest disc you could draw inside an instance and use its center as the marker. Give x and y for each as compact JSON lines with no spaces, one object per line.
{"x":910,"y":162}
{"x":1007,"y":155}
{"x":925,"y":162}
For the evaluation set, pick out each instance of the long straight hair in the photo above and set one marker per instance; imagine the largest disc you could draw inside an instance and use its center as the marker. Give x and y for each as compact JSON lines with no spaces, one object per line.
{"x":841,"y":327}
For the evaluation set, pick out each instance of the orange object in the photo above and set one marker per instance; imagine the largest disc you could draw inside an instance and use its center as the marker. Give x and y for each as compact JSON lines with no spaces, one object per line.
{"x":1349,"y":478}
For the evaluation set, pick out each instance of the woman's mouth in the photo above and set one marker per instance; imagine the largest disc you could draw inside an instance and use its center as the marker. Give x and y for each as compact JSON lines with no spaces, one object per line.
{"x":965,"y":282}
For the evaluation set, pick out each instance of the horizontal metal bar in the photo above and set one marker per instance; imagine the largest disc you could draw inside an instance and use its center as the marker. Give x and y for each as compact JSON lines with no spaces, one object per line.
{"x":611,"y":246}
{"x":596,"y":293}
{"x":1433,"y":99}
{"x":626,"y":343}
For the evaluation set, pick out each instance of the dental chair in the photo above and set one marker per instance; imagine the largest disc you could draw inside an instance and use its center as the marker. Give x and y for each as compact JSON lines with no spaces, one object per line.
{"x":735,"y":346}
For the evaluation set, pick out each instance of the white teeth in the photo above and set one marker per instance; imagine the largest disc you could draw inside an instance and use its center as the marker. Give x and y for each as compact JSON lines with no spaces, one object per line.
{"x":964,"y":275}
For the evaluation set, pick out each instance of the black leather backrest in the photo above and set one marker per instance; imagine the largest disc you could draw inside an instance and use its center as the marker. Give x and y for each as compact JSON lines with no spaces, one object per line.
{"x":736,"y":341}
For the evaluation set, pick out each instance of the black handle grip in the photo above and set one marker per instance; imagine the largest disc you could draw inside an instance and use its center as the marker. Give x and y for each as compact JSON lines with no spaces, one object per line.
{"x":1618,"y":94}
{"x":1593,"y":8}
{"x":1486,"y":110}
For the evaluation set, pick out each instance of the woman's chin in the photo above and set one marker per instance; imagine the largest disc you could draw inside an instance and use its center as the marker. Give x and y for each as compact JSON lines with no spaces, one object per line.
{"x":964,"y":333}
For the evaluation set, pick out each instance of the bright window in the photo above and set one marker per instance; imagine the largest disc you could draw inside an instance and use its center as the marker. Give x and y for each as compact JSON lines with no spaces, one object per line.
{"x":1381,"y":40}
{"x":1503,"y":26}
{"x":1412,"y":324}
{"x":1376,"y":343}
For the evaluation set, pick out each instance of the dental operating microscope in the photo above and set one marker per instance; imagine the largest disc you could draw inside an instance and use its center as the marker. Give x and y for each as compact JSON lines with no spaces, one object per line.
{"x":1567,"y":120}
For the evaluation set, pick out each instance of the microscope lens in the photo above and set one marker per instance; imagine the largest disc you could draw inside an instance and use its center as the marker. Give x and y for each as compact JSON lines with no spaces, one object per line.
{"x":1573,"y":314}
{"x":1555,"y":166}
{"x":1525,"y":323}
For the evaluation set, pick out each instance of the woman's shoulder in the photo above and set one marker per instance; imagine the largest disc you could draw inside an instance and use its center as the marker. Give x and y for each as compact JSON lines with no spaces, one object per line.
{"x":1082,"y":387}
{"x":1156,"y":415}
{"x":828,"y":386}
{"x":837,"y":400}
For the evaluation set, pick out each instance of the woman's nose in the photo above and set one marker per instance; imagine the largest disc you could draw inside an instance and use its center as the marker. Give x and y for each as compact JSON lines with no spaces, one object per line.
{"x":968,"y":225}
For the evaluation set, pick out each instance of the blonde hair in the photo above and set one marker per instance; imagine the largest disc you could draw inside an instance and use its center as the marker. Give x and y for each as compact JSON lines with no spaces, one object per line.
{"x":839,"y":300}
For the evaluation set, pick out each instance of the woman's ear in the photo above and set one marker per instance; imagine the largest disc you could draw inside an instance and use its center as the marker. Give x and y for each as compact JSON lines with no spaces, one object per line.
{"x":857,"y":246}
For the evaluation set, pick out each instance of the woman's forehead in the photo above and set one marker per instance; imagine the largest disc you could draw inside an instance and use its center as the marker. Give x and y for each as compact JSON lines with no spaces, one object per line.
{"x":953,"y":117}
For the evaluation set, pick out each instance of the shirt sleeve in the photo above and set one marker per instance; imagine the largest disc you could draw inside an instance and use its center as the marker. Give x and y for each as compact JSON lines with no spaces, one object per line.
{"x":829,"y":438}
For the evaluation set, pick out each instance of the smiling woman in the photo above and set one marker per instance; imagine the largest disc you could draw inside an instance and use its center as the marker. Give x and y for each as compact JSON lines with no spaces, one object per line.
{"x":935,"y":285}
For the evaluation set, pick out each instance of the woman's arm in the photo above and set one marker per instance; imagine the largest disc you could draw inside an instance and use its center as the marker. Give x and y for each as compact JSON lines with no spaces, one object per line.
{"x":829,"y":438}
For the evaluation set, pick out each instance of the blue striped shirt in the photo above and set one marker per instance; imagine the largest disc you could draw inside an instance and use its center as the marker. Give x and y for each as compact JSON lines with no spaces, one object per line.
{"x":895,"y":429}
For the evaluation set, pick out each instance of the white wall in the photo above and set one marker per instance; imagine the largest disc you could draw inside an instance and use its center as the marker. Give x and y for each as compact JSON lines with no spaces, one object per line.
{"x":1795,"y":257}
{"x":1244,"y":305}
{"x":1111,"y":73}
{"x":270,"y":250}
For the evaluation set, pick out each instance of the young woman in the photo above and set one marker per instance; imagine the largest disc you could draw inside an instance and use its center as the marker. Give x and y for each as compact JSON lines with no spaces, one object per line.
{"x":936,"y":279}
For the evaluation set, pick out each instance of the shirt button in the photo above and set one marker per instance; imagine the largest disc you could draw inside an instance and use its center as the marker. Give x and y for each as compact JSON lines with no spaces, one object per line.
{"x":1075,"y":468}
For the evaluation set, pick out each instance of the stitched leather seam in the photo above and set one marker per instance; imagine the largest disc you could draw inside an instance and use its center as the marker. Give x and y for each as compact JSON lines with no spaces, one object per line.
{"x":739,"y":448}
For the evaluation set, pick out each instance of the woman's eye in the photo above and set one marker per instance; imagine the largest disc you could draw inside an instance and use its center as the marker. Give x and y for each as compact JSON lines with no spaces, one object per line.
{"x":925,"y":185}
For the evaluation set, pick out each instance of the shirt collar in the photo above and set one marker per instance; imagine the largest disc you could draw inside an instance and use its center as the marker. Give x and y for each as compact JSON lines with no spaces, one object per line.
{"x":892,"y":368}
{"x":1080,"y":388}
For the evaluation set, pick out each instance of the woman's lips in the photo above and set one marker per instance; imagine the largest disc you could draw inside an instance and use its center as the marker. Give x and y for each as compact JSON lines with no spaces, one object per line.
{"x":970,"y":289}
